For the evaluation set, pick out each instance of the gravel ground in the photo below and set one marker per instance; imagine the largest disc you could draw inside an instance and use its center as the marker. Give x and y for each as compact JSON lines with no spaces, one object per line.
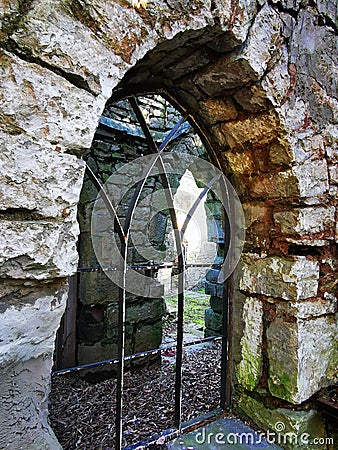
{"x":83,"y":414}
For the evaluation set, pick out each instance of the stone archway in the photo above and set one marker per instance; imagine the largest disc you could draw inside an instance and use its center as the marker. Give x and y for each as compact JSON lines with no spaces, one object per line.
{"x":261,"y":84}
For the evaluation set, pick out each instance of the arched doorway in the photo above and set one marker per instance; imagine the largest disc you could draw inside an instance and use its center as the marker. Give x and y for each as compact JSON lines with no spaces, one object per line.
{"x":267,"y":103}
{"x":132,"y":195}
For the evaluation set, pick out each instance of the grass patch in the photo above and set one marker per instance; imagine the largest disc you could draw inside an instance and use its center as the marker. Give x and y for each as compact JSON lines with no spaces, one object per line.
{"x":194,"y":306}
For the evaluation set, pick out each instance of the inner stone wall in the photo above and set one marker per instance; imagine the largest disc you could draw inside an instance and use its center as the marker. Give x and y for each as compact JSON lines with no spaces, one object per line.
{"x":260,"y":81}
{"x":117,"y":143}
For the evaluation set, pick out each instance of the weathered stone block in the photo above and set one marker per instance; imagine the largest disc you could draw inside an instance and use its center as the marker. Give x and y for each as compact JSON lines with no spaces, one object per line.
{"x":224,"y":13}
{"x":248,"y":371}
{"x":241,"y":162}
{"x":276,"y":81}
{"x":96,"y":287}
{"x":307,"y":309}
{"x":218,"y":109}
{"x":28,"y":331}
{"x":307,"y":221}
{"x":39,"y":250}
{"x":148,"y":337}
{"x":280,"y":153}
{"x":300,"y":356}
{"x":308,"y":147}
{"x":148,"y":309}
{"x":214,"y":289}
{"x":90,"y":332}
{"x":87,"y":354}
{"x":283,"y":184}
{"x":24,"y":390}
{"x":333,"y":174}
{"x":212,"y":275}
{"x":213,"y":320}
{"x":255,"y":212}
{"x":252,"y":98}
{"x":38,"y":178}
{"x":292,"y":429}
{"x":216,"y":304}
{"x":65,"y":50}
{"x":289,"y":279}
{"x":312,"y":178}
{"x":236,"y":70}
{"x":282,"y":338}
{"x":261,"y":128}
{"x":38,"y":102}
{"x":90,"y":326}
{"x":317,"y":354}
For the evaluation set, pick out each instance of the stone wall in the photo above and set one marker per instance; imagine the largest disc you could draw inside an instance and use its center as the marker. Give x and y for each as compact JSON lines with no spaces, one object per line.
{"x":118,"y":141}
{"x":259,"y":79}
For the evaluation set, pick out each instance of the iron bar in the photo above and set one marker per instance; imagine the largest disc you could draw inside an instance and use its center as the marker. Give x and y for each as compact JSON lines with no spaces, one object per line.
{"x":123,"y":236}
{"x":168,"y":435}
{"x":111,"y":125}
{"x":121,"y":327}
{"x":138,"y":355}
{"x":179,"y":247}
{"x":123,"y":233}
{"x":197,"y":203}
{"x":225,"y":300}
{"x":145,"y":267}
{"x":111,"y":208}
{"x":173,"y":133}
{"x":137,"y":193}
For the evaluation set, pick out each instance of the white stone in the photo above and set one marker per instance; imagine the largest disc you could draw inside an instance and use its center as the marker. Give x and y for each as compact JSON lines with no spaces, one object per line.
{"x":311,"y":220}
{"x":261,"y":43}
{"x":38,"y":250}
{"x":293,"y":114}
{"x":39,"y":178}
{"x":289,"y":279}
{"x":312,"y":178}
{"x":333,"y":173}
{"x":248,"y":371}
{"x":27,"y":336}
{"x":241,"y":22}
{"x":29,"y":331}
{"x":308,"y":309}
{"x":307,"y":146}
{"x":301,"y":356}
{"x":247,"y":64}
{"x":24,"y":390}
{"x":317,"y":340}
{"x":315,"y":220}
{"x":330,"y":133}
{"x":58,"y":40}
{"x":40,"y":103}
{"x":276,"y":82}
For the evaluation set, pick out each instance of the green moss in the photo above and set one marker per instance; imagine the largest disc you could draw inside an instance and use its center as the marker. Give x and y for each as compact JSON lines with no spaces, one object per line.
{"x":249,"y":370}
{"x":292,"y":423}
{"x":283,"y":385}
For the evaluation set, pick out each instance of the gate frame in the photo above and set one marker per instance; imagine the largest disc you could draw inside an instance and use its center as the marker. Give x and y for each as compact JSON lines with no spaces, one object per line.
{"x":66,"y":339}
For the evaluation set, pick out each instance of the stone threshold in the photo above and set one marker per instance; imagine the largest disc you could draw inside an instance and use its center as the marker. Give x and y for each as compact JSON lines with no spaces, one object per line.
{"x":226,"y":432}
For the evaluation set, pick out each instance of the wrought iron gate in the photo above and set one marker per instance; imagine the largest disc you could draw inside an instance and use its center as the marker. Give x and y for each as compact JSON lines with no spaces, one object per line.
{"x":123,"y":232}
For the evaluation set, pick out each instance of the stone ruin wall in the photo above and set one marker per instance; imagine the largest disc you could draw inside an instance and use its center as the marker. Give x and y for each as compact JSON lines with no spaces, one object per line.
{"x":97,"y":310}
{"x":260,"y":79}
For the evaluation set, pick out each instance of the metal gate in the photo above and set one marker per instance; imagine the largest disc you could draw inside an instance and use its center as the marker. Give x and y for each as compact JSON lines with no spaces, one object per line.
{"x":67,"y":336}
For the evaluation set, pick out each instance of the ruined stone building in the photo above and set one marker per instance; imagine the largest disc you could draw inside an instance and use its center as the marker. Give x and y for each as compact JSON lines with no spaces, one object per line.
{"x":258,"y":79}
